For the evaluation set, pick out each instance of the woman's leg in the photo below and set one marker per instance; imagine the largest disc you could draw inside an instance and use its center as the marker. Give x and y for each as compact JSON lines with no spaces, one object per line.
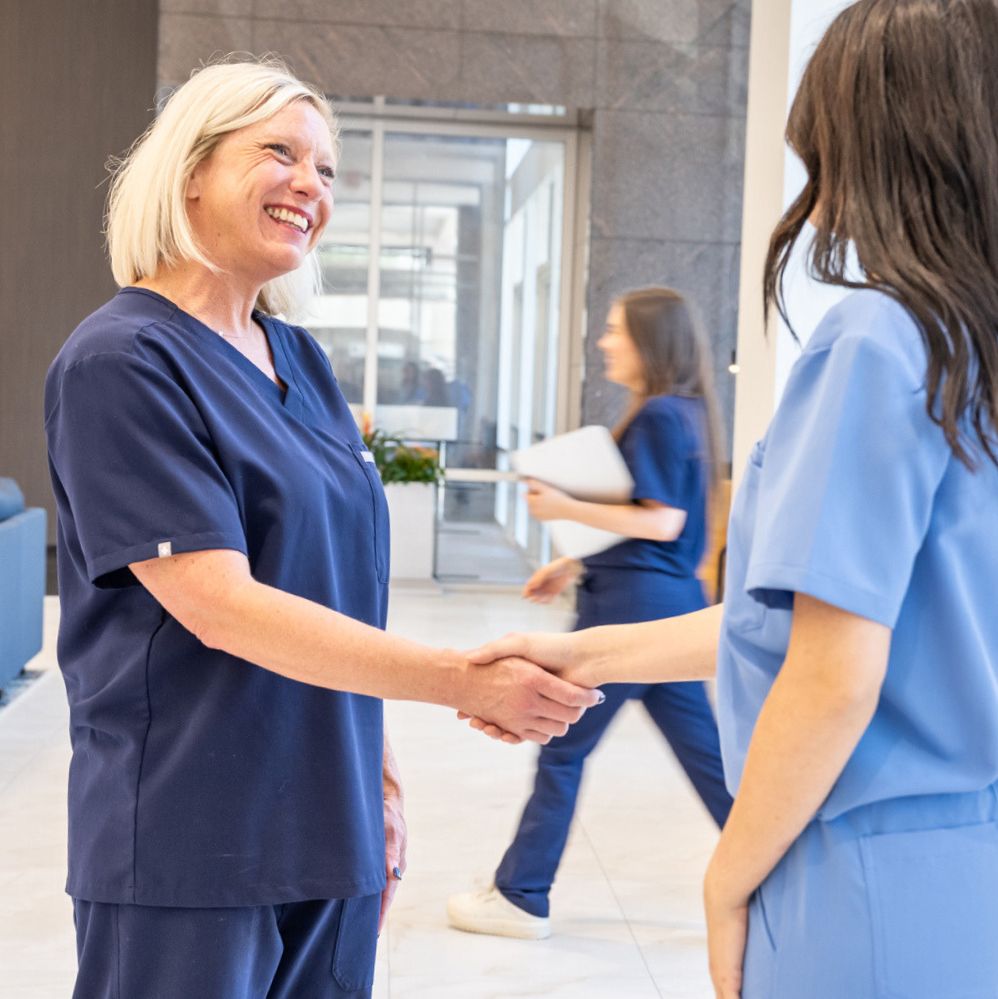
{"x":683,"y":714}
{"x":605,"y":596}
{"x":322,"y":949}
{"x":898,"y":898}
{"x":128,"y":951}
{"x":329,"y":949}
{"x":527,"y":870}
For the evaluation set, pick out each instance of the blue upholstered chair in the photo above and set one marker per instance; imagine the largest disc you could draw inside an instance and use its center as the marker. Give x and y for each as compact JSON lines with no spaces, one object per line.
{"x":22,"y":580}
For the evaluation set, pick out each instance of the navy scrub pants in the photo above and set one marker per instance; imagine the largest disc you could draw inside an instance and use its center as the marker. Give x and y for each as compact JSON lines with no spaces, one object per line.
{"x":300,"y":950}
{"x":681,"y":711}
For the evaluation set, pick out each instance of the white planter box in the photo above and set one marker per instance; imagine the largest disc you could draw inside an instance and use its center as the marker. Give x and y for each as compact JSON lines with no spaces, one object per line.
{"x":412,"y":507}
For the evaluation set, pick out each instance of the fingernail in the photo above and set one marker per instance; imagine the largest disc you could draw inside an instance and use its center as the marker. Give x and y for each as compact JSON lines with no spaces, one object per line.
{"x":602,"y":696}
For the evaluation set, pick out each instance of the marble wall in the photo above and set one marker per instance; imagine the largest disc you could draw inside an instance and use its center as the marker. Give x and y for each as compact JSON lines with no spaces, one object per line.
{"x":665,"y":81}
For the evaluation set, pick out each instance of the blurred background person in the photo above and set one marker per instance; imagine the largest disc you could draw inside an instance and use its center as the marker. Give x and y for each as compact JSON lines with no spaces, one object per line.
{"x":434,"y":388}
{"x":669,"y":439}
{"x":411,"y":391}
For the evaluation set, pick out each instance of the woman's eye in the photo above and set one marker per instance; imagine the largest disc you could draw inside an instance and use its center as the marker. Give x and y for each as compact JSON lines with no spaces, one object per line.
{"x":279,"y":148}
{"x":328,"y":173}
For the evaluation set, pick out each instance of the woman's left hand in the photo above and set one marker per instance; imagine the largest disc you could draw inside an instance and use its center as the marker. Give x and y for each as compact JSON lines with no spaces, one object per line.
{"x":727,"y":932}
{"x":547,"y":503}
{"x":396,"y":838}
{"x":396,"y":834}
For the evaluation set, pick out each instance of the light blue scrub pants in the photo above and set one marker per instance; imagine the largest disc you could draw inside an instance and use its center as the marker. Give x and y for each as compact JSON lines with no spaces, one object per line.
{"x":894,"y":900}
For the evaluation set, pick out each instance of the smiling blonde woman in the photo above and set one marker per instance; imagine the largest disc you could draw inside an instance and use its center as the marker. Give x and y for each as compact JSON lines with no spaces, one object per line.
{"x":235,"y":813}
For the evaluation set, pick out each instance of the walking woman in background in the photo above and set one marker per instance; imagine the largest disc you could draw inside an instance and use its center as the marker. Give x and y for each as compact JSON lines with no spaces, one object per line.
{"x":857,"y":656}
{"x":668,"y":437}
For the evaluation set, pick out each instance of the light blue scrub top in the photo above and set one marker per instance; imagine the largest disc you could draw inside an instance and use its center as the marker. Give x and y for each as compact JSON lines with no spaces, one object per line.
{"x":855,"y":498}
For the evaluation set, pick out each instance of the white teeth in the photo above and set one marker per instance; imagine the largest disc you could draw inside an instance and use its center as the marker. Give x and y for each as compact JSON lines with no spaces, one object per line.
{"x":284,"y":215}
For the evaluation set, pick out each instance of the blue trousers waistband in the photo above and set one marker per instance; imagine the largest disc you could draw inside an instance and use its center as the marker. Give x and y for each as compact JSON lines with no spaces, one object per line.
{"x":918,"y":812}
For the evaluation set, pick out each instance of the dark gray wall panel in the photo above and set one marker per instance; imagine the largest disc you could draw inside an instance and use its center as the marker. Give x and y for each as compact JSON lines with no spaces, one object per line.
{"x":651,"y":76}
{"x":540,"y":69}
{"x":655,"y":20}
{"x":227,"y":8}
{"x":77,"y":82}
{"x":725,"y":22}
{"x":565,"y":18}
{"x":187,"y":41}
{"x":444,"y":14}
{"x":688,"y":186}
{"x":364,"y":60}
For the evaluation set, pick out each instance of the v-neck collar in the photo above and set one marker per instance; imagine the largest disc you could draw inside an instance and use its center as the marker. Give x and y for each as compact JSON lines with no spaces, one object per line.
{"x":290,"y":398}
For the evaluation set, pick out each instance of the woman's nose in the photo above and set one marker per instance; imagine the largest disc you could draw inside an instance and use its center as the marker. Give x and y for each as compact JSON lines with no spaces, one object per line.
{"x":307,"y":179}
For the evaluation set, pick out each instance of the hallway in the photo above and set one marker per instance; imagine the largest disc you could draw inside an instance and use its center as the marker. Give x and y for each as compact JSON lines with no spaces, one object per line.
{"x":626,"y":909}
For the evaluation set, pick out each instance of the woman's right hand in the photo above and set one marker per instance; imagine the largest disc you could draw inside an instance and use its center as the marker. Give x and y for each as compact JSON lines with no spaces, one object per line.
{"x":516,"y":700}
{"x":551,"y":579}
{"x":571,"y":656}
{"x":577,"y":657}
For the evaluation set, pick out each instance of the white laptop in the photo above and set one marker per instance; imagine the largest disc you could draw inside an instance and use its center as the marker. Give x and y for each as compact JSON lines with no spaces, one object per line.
{"x":588,"y":465}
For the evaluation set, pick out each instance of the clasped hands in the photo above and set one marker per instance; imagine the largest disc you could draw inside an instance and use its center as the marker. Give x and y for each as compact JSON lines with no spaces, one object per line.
{"x":539,"y":682}
{"x":529,"y":687}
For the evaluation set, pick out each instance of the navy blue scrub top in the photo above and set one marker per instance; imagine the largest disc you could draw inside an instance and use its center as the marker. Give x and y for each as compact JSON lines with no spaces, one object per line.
{"x":199,"y":779}
{"x":665,"y":448}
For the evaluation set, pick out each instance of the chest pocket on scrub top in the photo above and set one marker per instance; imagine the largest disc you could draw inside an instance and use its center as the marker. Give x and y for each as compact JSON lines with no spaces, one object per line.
{"x":379,"y":509}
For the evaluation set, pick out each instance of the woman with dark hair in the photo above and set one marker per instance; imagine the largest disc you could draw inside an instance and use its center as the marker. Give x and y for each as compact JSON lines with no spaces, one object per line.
{"x":668,"y":437}
{"x":857,"y":654}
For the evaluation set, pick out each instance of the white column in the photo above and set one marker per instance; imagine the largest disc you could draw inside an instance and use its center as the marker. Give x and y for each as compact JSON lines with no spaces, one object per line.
{"x":784,"y":34}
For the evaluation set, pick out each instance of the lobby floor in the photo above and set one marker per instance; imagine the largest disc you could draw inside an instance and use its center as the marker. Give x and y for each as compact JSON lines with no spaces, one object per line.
{"x":627,"y":921}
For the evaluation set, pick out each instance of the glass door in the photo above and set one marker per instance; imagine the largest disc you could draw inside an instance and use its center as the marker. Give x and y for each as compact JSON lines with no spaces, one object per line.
{"x":445,"y":310}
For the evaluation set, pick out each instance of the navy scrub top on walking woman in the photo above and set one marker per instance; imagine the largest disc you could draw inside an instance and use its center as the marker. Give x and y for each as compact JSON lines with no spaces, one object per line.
{"x":855,"y":498}
{"x":664,"y":448}
{"x":197,"y":778}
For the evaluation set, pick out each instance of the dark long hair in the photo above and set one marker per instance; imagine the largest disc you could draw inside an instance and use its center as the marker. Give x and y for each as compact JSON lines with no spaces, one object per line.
{"x":675,"y":358}
{"x":896,"y":121}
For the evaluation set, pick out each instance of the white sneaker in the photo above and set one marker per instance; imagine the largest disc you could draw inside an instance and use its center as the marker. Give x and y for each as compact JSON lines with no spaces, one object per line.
{"x":489,"y":911}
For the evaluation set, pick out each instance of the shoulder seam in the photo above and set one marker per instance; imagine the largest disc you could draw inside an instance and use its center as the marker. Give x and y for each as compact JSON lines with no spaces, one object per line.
{"x":866,"y":341}
{"x":129,"y":353}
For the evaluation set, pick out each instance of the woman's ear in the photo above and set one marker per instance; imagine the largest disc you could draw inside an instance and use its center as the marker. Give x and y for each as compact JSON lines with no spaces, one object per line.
{"x":193,"y":192}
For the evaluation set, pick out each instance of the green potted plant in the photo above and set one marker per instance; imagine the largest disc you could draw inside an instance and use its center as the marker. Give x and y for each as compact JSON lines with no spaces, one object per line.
{"x":399,"y":462}
{"x":410,"y":474}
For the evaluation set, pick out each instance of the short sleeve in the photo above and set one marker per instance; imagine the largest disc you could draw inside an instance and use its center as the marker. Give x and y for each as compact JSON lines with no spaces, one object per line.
{"x":135,"y":460}
{"x":657,"y":449}
{"x":849,"y":473}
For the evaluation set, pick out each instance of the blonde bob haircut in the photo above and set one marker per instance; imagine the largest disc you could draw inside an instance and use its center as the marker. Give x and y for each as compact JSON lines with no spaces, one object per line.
{"x":147,"y":223}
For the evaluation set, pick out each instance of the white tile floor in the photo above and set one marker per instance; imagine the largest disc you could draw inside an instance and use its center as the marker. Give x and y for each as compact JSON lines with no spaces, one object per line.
{"x":626,"y":908}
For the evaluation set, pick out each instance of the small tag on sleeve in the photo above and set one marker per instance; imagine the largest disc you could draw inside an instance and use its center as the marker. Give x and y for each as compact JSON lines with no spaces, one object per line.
{"x":165,"y":549}
{"x":367,"y":456}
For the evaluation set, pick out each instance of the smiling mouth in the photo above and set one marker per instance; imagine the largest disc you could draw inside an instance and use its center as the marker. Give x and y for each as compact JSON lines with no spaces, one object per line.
{"x":286,"y":215}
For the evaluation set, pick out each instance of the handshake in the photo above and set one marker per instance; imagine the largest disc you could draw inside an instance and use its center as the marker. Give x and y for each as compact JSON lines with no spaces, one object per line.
{"x":528,"y":687}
